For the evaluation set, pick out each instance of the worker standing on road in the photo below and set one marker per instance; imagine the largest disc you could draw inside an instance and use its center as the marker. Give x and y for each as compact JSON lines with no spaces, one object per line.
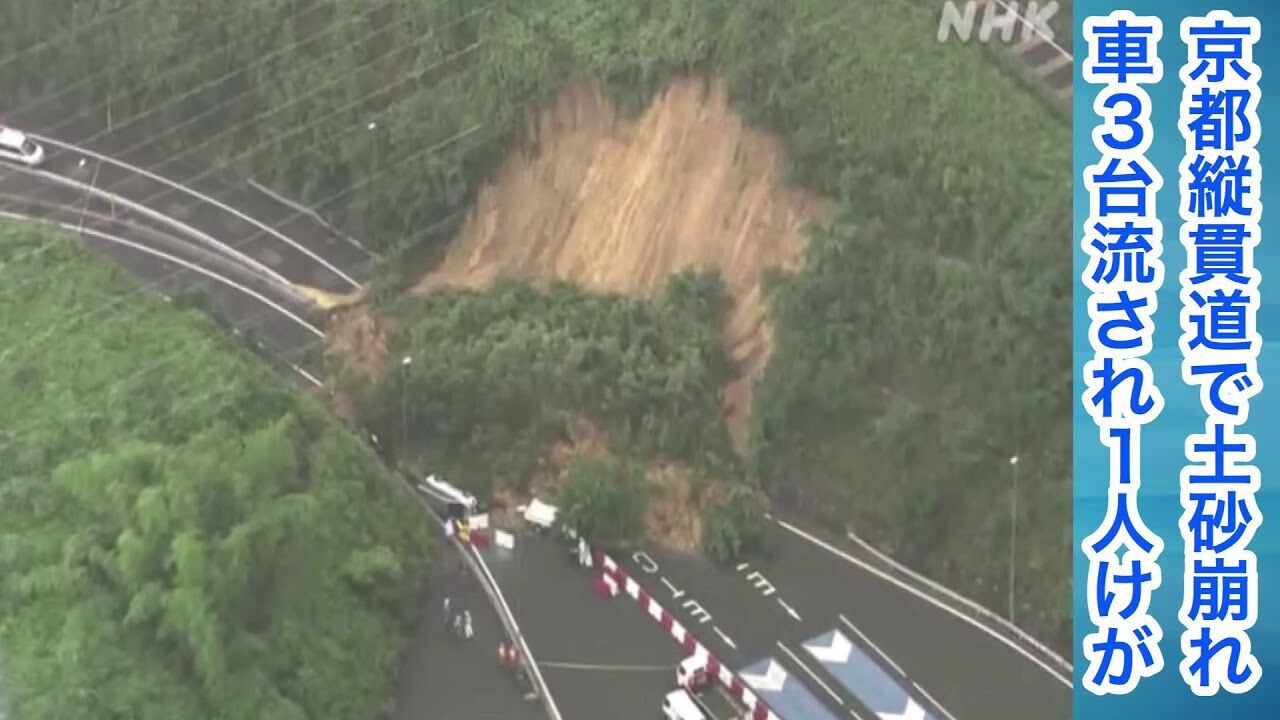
{"x":469,"y":633}
{"x":446,"y":610}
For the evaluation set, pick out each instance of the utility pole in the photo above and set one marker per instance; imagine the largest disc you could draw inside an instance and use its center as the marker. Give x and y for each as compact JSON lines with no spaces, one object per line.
{"x":1013,"y":533}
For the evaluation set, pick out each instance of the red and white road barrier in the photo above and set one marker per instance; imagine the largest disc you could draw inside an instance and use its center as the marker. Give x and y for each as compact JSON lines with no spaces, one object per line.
{"x":716,"y":669}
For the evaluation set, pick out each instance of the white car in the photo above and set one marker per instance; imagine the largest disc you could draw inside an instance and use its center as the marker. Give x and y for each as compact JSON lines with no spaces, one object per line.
{"x":17,"y":147}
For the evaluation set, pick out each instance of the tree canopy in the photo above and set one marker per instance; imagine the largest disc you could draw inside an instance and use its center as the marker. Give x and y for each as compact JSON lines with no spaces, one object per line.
{"x":181,"y":535}
{"x":923,"y":343}
{"x":495,"y":376}
{"x":604,"y":500}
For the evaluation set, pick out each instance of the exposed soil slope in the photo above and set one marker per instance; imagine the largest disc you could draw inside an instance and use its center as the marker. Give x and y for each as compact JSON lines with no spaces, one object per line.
{"x":617,"y":204}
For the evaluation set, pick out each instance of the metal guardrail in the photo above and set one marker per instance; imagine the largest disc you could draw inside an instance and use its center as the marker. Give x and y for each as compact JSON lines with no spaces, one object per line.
{"x":309,"y":212}
{"x":480,"y":570}
{"x":969,"y":605}
{"x":513,"y":629}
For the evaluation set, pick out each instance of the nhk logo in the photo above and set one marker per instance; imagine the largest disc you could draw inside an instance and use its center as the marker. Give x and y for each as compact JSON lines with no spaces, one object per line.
{"x":1023,"y":20}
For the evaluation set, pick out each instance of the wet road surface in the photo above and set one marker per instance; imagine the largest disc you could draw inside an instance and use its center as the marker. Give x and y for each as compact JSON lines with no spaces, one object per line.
{"x":443,"y":677}
{"x":602,"y":659}
{"x":293,"y":243}
{"x":777,"y":610}
{"x":287,"y":325}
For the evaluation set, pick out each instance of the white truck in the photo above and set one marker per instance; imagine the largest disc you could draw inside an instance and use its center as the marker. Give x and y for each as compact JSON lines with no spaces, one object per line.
{"x":545,"y":518}
{"x":696,"y":695}
{"x":441,"y":490}
{"x":691,"y":673}
{"x":679,"y":705}
{"x":540,"y":515}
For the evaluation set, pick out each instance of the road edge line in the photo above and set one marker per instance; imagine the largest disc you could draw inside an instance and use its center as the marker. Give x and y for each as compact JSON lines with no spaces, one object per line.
{"x":954,"y":596}
{"x":173,"y":259}
{"x":478,"y":567}
{"x":184,"y":228}
{"x":304,"y":210}
{"x":202,"y":196}
{"x":926,"y":597}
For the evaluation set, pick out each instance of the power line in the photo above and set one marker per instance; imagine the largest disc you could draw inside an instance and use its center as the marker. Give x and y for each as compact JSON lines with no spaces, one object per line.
{"x":408,"y":242}
{"x":185,"y":352}
{"x":351,"y":188}
{"x":261,"y":145}
{"x":66,"y":34}
{"x":209,"y":253}
{"x":106,"y":69}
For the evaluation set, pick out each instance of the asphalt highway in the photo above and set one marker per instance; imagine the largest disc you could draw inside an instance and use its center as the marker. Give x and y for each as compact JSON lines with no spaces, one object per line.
{"x":160,"y":244}
{"x":288,"y":325}
{"x":602,"y":658}
{"x":443,"y":677}
{"x":779,"y":607}
{"x":137,"y":168}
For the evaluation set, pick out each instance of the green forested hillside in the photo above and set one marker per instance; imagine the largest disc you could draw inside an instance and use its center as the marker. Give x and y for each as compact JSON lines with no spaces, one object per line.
{"x":496,"y":376}
{"x":925,"y":342}
{"x":181,"y":534}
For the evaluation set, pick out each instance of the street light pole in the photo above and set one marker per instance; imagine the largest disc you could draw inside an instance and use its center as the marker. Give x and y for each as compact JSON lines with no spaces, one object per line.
{"x":372,"y":127}
{"x":1013,"y":533}
{"x":88,"y":193}
{"x":404,"y":403}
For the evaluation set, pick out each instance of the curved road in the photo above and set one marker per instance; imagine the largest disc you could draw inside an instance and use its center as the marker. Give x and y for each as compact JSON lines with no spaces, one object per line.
{"x":953,"y":667}
{"x":257,"y":260}
{"x":602,"y":659}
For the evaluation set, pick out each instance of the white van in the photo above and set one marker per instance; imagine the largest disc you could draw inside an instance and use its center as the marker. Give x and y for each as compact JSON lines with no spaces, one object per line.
{"x":678,"y":705}
{"x":17,"y":147}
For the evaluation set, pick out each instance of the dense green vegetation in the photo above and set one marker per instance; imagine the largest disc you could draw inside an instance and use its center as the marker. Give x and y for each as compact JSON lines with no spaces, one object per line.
{"x":495,"y":377}
{"x":735,"y":527}
{"x":925,"y":342}
{"x":605,"y":500}
{"x":181,"y":534}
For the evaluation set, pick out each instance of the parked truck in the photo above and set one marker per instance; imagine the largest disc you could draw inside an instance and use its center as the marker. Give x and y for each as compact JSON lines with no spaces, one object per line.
{"x":680,"y":705}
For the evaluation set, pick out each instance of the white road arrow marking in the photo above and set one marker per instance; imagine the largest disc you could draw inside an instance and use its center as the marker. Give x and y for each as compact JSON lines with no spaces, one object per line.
{"x":772,"y":680}
{"x":725,"y":638}
{"x":743,"y":566}
{"x":912,"y":712}
{"x":790,"y":610}
{"x":837,"y":652}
